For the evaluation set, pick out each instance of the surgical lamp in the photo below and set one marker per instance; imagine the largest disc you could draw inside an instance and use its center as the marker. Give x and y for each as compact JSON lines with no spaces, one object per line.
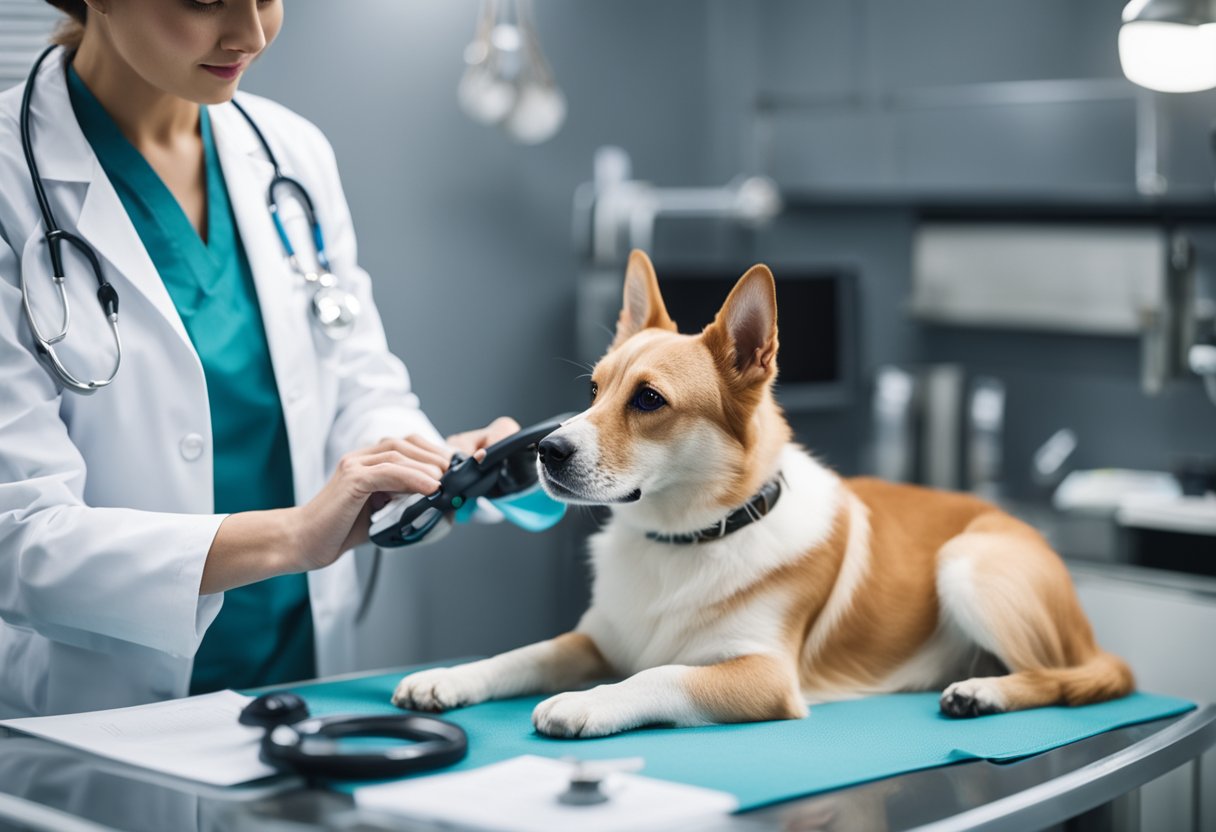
{"x":1169,"y":45}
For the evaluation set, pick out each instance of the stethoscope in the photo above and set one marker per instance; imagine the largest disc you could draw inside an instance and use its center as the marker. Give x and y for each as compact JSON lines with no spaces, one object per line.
{"x":297,"y":743}
{"x":334,"y":310}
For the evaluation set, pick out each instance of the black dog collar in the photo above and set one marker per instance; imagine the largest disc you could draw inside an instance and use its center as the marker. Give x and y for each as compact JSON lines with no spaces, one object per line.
{"x":745,"y":515}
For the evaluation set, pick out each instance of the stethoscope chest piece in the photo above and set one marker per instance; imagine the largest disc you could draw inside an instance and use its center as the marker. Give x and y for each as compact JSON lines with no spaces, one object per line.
{"x":335,"y":310}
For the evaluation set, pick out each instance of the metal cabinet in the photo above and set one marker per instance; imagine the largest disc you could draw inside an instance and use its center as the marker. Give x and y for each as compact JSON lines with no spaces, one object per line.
{"x":1161,"y":623}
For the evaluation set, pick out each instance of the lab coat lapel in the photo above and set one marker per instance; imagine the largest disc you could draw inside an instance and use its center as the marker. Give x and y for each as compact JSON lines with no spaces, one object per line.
{"x":64,"y":155}
{"x":247,"y":173}
{"x":104,"y":224}
{"x":286,"y":317}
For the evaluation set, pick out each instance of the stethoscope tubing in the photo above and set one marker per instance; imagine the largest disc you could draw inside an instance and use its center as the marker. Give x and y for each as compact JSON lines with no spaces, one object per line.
{"x":336,"y":326}
{"x":27,"y":147}
{"x":434,"y":743}
{"x":281,"y":180}
{"x":55,"y":236}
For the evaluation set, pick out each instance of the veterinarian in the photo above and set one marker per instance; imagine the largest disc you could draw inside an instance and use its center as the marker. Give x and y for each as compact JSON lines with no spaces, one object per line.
{"x":182,"y":476}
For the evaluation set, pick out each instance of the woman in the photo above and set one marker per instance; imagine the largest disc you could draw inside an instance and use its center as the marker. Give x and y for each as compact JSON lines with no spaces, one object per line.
{"x":183,"y":529}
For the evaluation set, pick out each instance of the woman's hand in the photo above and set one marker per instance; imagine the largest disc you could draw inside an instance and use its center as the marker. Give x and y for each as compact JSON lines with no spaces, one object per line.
{"x":254,"y":545}
{"x":338,"y":517}
{"x":472,"y":441}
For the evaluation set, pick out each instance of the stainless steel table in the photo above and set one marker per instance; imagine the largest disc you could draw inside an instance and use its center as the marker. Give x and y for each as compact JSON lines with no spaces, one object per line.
{"x":1089,"y":784}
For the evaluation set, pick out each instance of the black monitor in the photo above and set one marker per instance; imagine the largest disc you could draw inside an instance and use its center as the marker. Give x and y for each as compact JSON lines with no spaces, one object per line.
{"x":816,"y":314}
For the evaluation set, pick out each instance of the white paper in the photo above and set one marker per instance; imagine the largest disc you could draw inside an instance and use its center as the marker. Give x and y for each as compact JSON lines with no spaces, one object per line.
{"x":520,"y":795}
{"x":197,"y":738}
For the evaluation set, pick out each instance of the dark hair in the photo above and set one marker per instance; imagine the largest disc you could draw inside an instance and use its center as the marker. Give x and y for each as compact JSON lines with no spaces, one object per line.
{"x":71,"y":29}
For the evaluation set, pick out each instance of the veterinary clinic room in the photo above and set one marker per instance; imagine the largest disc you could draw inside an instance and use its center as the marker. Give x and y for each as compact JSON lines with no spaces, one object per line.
{"x":596,"y":415}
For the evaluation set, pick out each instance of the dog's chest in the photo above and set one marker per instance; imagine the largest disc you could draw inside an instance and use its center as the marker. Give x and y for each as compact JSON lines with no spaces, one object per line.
{"x":658,"y":603}
{"x":651,"y":612}
{"x":655,"y":604}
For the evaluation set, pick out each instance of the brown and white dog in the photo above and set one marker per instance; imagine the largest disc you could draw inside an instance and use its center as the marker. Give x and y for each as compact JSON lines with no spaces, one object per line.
{"x":845,"y":587}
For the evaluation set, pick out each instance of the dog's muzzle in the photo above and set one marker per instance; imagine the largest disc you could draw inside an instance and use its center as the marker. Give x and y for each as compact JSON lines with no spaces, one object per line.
{"x":554,"y":454}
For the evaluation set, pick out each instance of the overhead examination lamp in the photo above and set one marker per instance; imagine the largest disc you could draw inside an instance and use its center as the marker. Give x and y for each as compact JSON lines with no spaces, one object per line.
{"x":1169,"y":45}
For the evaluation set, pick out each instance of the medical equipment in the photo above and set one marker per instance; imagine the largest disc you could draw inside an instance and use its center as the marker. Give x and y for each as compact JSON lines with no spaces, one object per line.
{"x":507,"y":80}
{"x":55,"y":237}
{"x":299,"y":744}
{"x":587,"y":779}
{"x":508,"y":467}
{"x":334,"y":309}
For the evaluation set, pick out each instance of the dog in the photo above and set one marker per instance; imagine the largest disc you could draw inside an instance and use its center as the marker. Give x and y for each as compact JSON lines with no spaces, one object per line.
{"x":741,"y":580}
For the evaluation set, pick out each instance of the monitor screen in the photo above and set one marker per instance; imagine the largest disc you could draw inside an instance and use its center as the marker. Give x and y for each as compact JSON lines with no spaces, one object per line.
{"x":816,"y":361}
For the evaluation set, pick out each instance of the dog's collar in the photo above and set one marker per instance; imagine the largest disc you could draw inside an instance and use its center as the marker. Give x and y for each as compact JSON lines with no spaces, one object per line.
{"x":751,"y":511}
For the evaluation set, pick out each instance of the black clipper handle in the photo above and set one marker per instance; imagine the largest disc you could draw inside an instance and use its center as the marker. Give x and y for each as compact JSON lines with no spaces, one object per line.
{"x":503,"y":470}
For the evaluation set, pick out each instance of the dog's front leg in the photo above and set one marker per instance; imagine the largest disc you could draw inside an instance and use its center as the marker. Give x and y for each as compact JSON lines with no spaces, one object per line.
{"x":742,"y":689}
{"x":559,"y":663}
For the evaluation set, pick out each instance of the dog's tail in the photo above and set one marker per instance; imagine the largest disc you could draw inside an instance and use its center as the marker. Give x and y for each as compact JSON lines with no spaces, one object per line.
{"x":1104,"y":676}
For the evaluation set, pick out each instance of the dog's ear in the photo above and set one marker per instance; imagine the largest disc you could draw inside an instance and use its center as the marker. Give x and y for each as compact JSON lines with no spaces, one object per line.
{"x":743,"y":336}
{"x":643,"y":306}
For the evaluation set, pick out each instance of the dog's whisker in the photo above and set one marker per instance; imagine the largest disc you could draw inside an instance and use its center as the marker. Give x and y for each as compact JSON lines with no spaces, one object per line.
{"x":582,"y":365}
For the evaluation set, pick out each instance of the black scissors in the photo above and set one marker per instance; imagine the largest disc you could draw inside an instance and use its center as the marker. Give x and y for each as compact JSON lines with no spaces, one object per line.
{"x":508,"y":467}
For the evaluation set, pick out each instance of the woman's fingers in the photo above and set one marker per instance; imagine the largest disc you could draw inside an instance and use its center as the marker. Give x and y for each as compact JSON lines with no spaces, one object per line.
{"x":427,"y":447}
{"x":500,"y":428}
{"x":393,"y":471}
{"x":472,"y":441}
{"x":391,"y":475}
{"x":465,"y":443}
{"x":429,"y":472}
{"x":416,"y":448}
{"x":337,"y":517}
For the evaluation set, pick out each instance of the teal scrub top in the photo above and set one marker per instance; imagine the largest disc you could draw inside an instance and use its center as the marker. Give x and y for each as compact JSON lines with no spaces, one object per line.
{"x":263,"y":634}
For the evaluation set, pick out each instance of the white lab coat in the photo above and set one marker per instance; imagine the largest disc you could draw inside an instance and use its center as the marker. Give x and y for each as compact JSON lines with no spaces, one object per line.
{"x":106,"y":500}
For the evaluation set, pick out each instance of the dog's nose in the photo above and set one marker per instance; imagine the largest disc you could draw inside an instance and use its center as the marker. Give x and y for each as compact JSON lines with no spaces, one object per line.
{"x":554,"y":451}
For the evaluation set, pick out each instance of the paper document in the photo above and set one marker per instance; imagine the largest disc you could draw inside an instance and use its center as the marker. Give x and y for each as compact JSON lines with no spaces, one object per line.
{"x":197,"y":738}
{"x":521,"y":794}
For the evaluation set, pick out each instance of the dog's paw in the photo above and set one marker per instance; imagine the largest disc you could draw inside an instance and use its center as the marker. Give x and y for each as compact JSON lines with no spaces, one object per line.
{"x":579,"y":714}
{"x":972,"y":697}
{"x":439,"y":689}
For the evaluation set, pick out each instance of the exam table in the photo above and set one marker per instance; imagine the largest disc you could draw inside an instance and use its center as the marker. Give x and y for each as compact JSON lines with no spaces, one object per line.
{"x":1091,"y":784}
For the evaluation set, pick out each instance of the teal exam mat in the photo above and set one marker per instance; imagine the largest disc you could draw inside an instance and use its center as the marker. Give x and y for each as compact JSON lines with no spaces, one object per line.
{"x":839,"y":744}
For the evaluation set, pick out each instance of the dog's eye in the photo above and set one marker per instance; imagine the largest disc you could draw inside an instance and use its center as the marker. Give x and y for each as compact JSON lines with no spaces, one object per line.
{"x":595,"y":389}
{"x":647,"y":400}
